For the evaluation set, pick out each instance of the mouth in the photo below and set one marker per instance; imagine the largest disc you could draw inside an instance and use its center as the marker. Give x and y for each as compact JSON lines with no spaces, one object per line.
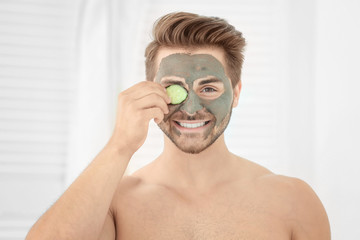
{"x":191,"y":125}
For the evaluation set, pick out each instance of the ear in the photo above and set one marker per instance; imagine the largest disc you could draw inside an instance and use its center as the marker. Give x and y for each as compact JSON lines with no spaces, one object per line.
{"x":237,"y":90}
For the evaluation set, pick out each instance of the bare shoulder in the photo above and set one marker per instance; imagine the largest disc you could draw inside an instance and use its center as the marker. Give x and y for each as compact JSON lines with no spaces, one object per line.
{"x":129,"y":185}
{"x":126,"y":189}
{"x":294,"y":200}
{"x":304,"y":211}
{"x":133,"y":188}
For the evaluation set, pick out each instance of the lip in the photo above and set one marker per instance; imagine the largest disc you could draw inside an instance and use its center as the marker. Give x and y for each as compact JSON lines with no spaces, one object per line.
{"x":193,"y":130}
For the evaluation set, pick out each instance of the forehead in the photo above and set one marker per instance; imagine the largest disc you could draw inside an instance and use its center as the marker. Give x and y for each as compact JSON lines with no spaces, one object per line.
{"x":189,"y":57}
{"x":191,"y":64}
{"x":198,"y":65}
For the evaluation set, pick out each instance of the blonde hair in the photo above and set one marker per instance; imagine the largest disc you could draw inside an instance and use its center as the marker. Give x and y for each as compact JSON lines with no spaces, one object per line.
{"x":188,"y":30}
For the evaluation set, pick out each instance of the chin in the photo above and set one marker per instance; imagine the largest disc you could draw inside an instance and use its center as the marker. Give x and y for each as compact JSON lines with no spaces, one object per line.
{"x":194,"y":144}
{"x":192,"y":149}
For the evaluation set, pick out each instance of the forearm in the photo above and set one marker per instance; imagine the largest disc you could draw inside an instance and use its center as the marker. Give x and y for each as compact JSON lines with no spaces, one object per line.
{"x":80,"y":212}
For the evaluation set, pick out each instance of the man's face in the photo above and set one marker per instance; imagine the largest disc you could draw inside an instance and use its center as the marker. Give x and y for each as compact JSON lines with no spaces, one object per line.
{"x":196,"y":123}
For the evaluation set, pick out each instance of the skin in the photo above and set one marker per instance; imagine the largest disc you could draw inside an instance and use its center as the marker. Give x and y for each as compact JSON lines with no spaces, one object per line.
{"x":213,"y":194}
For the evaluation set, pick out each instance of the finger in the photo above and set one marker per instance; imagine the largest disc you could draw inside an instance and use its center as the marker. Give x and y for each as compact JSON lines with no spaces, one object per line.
{"x":152,"y":100}
{"x":144,"y":88}
{"x":154,"y":113}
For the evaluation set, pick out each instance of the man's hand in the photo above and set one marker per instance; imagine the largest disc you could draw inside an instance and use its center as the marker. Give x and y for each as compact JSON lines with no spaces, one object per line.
{"x":136,"y":107}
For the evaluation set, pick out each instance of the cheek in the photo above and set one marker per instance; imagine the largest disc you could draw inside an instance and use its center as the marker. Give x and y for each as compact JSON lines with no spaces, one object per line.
{"x":172,"y":109}
{"x":220,"y":107}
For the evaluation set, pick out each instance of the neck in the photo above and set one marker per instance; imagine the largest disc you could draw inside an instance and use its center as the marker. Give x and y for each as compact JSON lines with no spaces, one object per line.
{"x":201,"y":170}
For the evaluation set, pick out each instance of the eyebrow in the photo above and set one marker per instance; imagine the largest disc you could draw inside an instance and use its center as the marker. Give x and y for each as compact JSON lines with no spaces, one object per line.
{"x":169,"y":81}
{"x":209,"y":80}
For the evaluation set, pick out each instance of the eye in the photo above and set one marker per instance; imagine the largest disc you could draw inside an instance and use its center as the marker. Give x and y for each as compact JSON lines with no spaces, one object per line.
{"x":208,"y":90}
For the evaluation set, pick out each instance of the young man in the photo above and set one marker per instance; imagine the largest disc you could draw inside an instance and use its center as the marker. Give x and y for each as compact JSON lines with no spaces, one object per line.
{"x":196,"y":189}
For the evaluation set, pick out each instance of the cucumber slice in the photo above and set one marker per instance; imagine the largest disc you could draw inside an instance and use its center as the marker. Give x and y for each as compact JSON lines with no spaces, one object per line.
{"x":177,"y":93}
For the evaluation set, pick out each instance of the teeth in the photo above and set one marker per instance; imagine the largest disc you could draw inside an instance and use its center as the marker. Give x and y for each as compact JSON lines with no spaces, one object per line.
{"x":191,"y":125}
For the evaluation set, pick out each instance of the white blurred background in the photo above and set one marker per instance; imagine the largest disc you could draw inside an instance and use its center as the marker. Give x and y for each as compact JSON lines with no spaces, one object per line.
{"x":63,"y":63}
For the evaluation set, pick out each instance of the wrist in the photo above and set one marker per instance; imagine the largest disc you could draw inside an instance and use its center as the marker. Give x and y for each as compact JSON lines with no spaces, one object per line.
{"x":119,"y":148}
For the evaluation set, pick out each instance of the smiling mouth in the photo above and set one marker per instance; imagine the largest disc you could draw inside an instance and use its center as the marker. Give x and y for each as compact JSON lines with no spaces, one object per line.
{"x":192,"y":125}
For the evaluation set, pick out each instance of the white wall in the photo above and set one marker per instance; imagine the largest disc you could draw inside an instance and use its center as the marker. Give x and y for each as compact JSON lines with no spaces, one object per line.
{"x":37,"y":63}
{"x":300,"y":83}
{"x":337,"y":113}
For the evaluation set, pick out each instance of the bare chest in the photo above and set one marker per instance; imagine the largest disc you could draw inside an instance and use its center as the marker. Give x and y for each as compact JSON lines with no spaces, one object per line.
{"x":222,"y":217}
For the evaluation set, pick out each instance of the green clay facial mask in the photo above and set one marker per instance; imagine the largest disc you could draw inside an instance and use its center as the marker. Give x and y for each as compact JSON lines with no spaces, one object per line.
{"x":193,"y":72}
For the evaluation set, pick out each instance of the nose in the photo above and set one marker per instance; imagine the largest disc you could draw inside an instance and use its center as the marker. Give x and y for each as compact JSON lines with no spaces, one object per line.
{"x":191,"y":104}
